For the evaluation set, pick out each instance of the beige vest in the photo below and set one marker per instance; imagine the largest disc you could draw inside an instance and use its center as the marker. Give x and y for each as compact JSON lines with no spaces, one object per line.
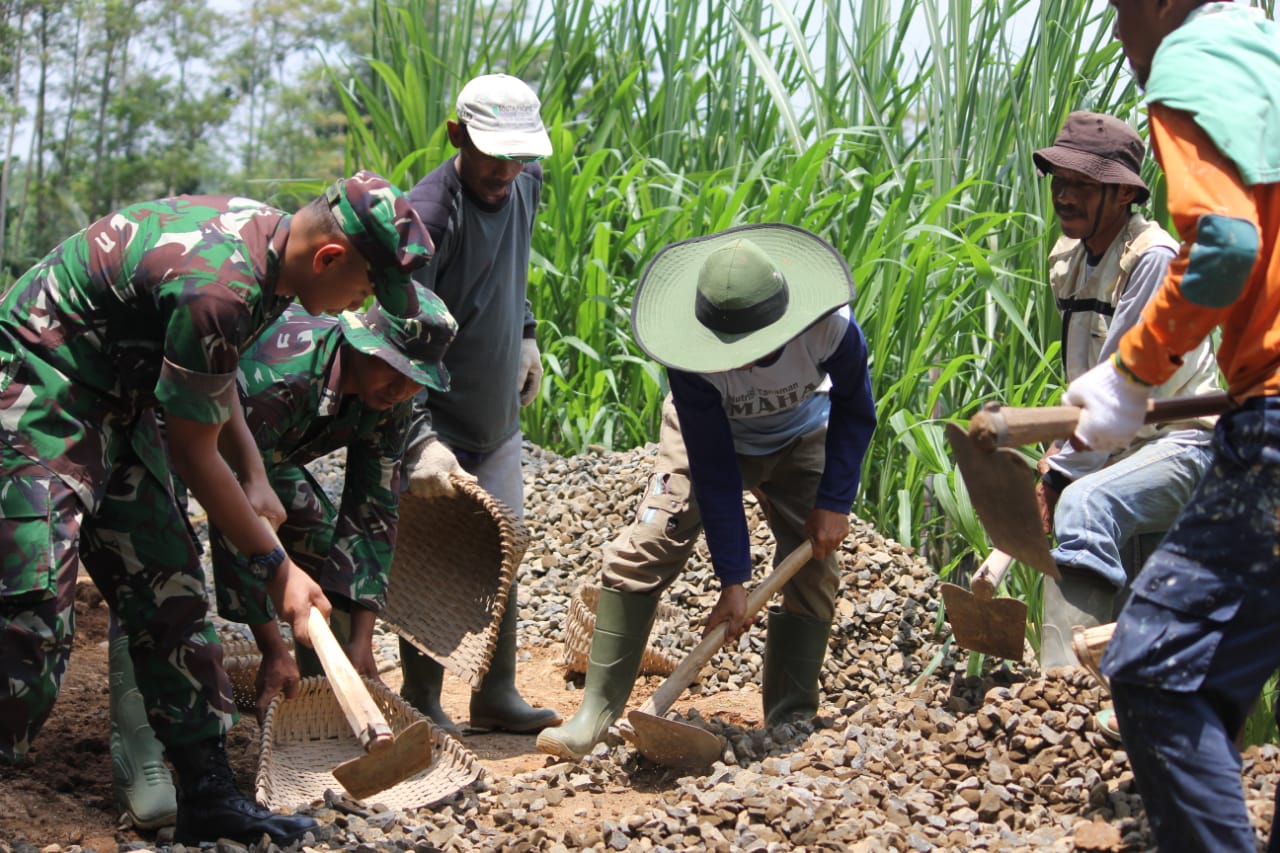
{"x":1088,"y":302}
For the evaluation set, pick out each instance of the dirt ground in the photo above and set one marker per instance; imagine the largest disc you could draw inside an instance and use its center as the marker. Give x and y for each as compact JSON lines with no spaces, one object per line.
{"x":64,"y":797}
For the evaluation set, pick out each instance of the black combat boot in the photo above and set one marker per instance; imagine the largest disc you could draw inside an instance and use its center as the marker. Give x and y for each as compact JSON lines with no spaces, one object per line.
{"x":210,"y":805}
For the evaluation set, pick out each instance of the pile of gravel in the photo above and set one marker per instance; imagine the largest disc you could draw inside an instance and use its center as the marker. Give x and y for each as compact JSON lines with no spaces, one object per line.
{"x":908,"y":754}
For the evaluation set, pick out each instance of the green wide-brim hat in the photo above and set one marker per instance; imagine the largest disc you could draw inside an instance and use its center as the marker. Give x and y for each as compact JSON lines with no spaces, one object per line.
{"x":665,"y":312}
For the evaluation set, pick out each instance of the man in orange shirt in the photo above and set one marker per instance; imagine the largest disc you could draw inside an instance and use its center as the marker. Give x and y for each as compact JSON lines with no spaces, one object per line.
{"x":1200,"y":634}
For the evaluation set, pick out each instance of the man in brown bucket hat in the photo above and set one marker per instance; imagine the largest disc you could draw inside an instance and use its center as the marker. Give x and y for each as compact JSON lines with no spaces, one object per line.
{"x":1107,"y":510}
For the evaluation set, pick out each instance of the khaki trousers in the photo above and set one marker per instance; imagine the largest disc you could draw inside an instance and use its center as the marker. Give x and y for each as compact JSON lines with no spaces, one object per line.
{"x":647,"y":556}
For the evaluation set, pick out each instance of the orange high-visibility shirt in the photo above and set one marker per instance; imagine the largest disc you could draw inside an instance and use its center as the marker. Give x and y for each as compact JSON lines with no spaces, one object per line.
{"x":1203,"y":181}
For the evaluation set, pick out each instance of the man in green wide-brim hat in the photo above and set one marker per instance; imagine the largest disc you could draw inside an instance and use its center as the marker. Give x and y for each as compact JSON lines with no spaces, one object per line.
{"x":769,"y":393}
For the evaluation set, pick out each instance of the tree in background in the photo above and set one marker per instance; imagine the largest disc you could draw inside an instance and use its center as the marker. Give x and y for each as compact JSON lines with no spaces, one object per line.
{"x":108,"y":102}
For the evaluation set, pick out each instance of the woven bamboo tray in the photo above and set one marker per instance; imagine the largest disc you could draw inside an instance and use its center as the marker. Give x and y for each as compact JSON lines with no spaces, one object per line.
{"x":304,"y":738}
{"x":454,"y":562}
{"x":656,"y":660}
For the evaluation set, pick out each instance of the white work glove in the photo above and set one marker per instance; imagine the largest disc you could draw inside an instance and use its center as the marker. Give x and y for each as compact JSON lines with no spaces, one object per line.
{"x":430,"y":465}
{"x":530,"y":371}
{"x":1114,"y":407}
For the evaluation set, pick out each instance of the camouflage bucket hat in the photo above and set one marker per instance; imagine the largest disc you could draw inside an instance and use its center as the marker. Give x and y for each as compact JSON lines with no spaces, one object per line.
{"x":382,"y":225}
{"x":414,"y":346}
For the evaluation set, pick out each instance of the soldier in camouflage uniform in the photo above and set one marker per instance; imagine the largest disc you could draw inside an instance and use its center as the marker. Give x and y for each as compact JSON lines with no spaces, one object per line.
{"x":148,"y":310}
{"x":310,"y":386}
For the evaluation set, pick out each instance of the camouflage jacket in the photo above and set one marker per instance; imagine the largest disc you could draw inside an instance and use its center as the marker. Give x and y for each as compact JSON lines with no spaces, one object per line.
{"x":151,"y":305}
{"x":290,"y":385}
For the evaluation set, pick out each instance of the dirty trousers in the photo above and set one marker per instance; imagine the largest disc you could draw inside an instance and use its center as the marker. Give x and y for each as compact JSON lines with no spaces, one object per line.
{"x":648,"y":554}
{"x":1199,"y":637}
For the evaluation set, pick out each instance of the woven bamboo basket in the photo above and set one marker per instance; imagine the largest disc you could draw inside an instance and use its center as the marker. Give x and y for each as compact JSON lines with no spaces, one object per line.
{"x":304,"y":738}
{"x":656,"y":660}
{"x":1089,"y":644}
{"x":454,"y":562}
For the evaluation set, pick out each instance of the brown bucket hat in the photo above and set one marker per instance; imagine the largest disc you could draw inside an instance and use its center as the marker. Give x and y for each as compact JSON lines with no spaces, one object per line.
{"x":1100,"y":146}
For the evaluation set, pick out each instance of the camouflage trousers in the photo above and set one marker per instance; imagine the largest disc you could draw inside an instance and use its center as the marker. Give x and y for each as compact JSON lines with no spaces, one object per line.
{"x":136,"y":547}
{"x":648,"y":554}
{"x":307,"y":535}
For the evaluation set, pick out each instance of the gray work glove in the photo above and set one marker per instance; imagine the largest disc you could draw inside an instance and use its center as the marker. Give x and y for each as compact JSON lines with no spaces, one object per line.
{"x":430,"y":465}
{"x":530,"y":371}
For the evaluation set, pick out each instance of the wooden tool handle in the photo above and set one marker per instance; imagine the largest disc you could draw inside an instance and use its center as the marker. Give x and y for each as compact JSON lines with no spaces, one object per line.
{"x":362,"y":713}
{"x":688,"y":670}
{"x":1009,"y":426}
{"x":989,"y":574}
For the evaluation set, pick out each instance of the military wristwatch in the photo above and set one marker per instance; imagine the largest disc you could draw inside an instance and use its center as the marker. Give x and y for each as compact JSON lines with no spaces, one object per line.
{"x":263,"y":566}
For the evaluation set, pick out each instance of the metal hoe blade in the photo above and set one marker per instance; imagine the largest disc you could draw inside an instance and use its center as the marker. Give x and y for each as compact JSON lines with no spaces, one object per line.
{"x":405,"y":756}
{"x":994,"y":627}
{"x":1002,"y":487}
{"x":674,"y":743}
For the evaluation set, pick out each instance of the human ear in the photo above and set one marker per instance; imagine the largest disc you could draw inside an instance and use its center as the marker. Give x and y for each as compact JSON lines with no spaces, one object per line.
{"x":456,"y":136}
{"x":327,"y":255}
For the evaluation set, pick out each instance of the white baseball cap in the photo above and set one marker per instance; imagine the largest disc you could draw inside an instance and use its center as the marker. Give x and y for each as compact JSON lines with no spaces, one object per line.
{"x":501,"y":115}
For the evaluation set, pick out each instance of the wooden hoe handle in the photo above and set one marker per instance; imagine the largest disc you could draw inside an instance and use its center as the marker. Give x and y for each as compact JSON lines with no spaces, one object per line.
{"x":667,"y":693}
{"x":989,"y":574}
{"x":1009,"y":426}
{"x":362,"y":713}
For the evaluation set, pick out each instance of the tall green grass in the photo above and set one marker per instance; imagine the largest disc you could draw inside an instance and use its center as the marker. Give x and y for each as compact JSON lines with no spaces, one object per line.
{"x":901,"y":132}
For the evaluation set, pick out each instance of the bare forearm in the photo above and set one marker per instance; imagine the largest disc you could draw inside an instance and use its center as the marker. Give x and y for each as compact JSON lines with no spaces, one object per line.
{"x":194,"y":449}
{"x":237,"y":446}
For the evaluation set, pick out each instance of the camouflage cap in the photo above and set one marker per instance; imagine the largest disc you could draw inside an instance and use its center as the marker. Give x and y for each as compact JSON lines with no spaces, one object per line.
{"x":414,"y":345}
{"x":382,"y":225}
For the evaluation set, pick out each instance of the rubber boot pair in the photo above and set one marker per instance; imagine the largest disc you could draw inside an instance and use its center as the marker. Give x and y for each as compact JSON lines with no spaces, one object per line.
{"x":794,"y":651}
{"x":143,"y":787}
{"x":210,"y":805}
{"x":623,"y":621}
{"x":497,"y":705}
{"x":1079,"y":599}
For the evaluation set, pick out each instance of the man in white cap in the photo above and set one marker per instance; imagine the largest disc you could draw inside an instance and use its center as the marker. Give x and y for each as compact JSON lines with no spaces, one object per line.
{"x":769,"y":393}
{"x":479,"y":207}
{"x":1107,"y":510}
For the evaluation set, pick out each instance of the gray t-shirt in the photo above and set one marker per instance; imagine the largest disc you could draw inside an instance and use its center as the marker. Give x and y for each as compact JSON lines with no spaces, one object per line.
{"x":480,"y":269}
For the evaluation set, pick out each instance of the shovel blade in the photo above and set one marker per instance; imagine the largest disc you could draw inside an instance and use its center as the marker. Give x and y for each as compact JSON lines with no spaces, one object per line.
{"x":995,"y":627}
{"x":673,"y":743}
{"x":1002,"y":487}
{"x":408,"y":755}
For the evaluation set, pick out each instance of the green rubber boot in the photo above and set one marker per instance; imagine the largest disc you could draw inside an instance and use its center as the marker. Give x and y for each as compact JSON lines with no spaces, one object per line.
{"x":623,"y":620}
{"x":1080,"y":598}
{"x":794,"y":650}
{"x":498,"y":705}
{"x":143,"y":786}
{"x":423,"y":681}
